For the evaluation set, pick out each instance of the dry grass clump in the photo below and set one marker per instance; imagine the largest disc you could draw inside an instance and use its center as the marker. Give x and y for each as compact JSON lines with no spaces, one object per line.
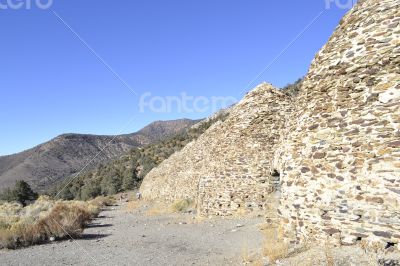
{"x":44,"y":220}
{"x":39,"y":209}
{"x":249,"y":258}
{"x":179,"y":206}
{"x":102,"y":201}
{"x":274,"y":247}
{"x":62,"y":220}
{"x":9,"y":214}
{"x":182,"y":205}
{"x":10,"y":208}
{"x":134,"y":205}
{"x":158,"y":208}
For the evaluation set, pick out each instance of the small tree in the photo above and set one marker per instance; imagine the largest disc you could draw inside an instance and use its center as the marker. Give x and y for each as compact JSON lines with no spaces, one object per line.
{"x":21,"y":193}
{"x":111,"y":182}
{"x":64,"y":193}
{"x":24,"y":193}
{"x":129,"y":178}
{"x":90,"y":191}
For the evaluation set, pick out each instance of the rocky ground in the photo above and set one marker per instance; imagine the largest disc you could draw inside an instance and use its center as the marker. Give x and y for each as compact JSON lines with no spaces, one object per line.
{"x":132,"y":237}
{"x":343,"y":256}
{"x":138,"y":235}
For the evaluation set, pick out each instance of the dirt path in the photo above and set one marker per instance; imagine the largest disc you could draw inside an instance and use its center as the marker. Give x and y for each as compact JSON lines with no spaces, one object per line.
{"x":119,"y":237}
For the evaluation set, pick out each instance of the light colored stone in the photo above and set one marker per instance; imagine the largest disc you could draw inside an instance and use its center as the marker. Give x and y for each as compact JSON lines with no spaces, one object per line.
{"x":392,"y":94}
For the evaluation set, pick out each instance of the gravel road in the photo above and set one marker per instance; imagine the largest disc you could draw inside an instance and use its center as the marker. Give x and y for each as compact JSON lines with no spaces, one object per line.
{"x":120,"y":237}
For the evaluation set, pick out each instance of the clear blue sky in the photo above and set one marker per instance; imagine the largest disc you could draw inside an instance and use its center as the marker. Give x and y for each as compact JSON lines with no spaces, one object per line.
{"x":51,"y":83}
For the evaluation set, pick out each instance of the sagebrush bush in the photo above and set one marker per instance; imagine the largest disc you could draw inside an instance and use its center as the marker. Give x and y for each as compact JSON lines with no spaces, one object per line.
{"x":102,"y":201}
{"x":182,"y":205}
{"x":38,"y":209}
{"x":45,"y":219}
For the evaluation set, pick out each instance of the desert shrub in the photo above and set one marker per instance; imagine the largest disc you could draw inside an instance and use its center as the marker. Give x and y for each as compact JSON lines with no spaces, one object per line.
{"x":8,"y":195}
{"x":21,"y":193}
{"x":182,"y":205}
{"x":46,"y":218}
{"x":65,"y":220}
{"x":102,"y":201}
{"x":89,"y":191}
{"x":4,"y":225}
{"x":7,"y":239}
{"x":129,"y":180}
{"x":147,"y":165}
{"x":8,"y":209}
{"x":111,"y":184}
{"x":64,"y":193}
{"x":9,"y":214}
{"x":38,"y":209}
{"x":293,"y":89}
{"x":274,"y":247}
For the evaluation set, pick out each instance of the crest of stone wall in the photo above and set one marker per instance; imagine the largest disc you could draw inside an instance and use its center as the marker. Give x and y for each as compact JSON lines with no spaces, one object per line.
{"x":340,"y":161}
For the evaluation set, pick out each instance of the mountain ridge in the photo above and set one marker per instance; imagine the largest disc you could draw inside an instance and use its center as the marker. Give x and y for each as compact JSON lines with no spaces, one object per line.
{"x":126,"y":172}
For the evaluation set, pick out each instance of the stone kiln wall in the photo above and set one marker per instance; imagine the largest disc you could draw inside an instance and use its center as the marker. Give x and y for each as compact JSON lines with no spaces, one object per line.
{"x":340,"y":162}
{"x":228,"y":168}
{"x":335,"y":152}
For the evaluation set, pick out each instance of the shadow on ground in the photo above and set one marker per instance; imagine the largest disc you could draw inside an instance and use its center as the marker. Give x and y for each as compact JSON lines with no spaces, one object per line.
{"x":93,"y":236}
{"x":94,"y":225}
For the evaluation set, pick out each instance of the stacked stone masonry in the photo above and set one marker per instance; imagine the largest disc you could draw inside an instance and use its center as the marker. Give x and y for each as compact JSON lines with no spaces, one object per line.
{"x":331,"y":155}
{"x":340,"y":162}
{"x":228,"y":168}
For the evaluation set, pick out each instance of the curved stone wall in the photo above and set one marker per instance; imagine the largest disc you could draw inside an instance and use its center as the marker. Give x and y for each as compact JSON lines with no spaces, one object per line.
{"x":340,"y":162}
{"x":228,"y":168}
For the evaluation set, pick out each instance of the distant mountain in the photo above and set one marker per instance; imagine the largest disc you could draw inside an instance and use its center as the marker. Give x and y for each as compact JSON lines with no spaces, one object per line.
{"x":128,"y":171}
{"x":50,"y":163}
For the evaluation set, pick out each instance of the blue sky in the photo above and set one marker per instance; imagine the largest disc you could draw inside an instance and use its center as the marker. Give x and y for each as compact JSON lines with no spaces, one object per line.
{"x":51,"y":83}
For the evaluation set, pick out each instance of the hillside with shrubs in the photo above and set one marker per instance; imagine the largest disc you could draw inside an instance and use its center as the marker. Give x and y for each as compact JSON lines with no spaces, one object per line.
{"x":50,"y":163}
{"x":127,"y":172}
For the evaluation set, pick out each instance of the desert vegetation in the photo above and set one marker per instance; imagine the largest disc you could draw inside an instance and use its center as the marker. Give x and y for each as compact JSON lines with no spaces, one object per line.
{"x":272,"y":250}
{"x":274,"y":247}
{"x":183,"y":205}
{"x":155,"y":208}
{"x":21,"y":193}
{"x":45,"y":220}
{"x":293,"y":89}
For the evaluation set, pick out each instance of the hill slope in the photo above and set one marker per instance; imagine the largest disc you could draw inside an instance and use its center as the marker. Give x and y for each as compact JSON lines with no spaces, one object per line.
{"x":65,"y":155}
{"x":127,"y":172}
